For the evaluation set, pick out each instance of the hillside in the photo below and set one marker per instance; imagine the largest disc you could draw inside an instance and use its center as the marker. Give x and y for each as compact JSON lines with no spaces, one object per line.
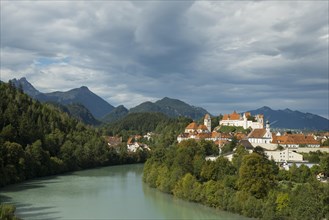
{"x":116,"y":114}
{"x":171,"y":108}
{"x":292,"y":119}
{"x":38,"y":140}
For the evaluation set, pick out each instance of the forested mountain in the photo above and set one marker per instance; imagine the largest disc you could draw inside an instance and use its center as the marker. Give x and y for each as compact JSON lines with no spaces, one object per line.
{"x":39,"y":140}
{"x":172,"y":108}
{"x":79,"y":112}
{"x":116,"y":114}
{"x":292,"y":119}
{"x":95,"y":104}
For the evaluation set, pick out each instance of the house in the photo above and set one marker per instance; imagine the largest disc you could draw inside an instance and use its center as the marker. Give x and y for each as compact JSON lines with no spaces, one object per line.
{"x":261,"y":135}
{"x":113,"y":141}
{"x":246,"y":120}
{"x":195,"y":131}
{"x":133,"y":145}
{"x":191,"y":128}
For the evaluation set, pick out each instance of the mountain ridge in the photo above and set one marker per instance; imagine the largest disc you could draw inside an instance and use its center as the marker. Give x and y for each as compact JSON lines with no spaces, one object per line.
{"x":171,"y":107}
{"x":292,"y":119}
{"x":285,"y":118}
{"x":95,"y":104}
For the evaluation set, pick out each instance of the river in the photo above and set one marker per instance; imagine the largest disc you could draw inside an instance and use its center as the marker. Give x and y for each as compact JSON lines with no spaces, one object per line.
{"x":115,"y":192}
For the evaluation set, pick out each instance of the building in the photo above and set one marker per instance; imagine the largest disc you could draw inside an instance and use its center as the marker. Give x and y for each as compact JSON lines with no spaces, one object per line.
{"x":113,"y":141}
{"x":246,"y":120}
{"x":295,"y":141}
{"x":286,"y":155}
{"x":207,"y":122}
{"x":133,"y":145}
{"x":195,"y":131}
{"x":261,"y":135}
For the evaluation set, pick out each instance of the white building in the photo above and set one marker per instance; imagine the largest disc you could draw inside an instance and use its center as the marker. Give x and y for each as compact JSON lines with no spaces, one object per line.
{"x":245,"y":120}
{"x":261,"y":136}
{"x":286,"y":155}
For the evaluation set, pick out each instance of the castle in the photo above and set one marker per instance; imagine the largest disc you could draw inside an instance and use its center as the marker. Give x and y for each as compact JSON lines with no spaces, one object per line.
{"x":204,"y":131}
{"x":246,"y":120}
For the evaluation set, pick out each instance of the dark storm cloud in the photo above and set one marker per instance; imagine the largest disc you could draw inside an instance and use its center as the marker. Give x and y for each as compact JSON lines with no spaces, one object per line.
{"x":220,"y":55}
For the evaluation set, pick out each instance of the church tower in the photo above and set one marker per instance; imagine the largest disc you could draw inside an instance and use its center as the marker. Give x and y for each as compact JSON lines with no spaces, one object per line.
{"x":207,"y":122}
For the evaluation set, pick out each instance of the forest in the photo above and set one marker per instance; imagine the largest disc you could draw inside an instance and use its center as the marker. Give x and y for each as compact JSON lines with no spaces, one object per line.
{"x":39,"y":140}
{"x":250,"y":185}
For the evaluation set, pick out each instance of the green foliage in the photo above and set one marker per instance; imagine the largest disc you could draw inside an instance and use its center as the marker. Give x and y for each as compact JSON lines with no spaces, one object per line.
{"x":230,"y":129}
{"x":7,"y":212}
{"x":325,"y":143}
{"x":257,"y":175}
{"x":218,"y":169}
{"x":137,"y":123}
{"x":324,"y":164}
{"x":188,"y":188}
{"x":39,"y":139}
{"x":251,"y":185}
{"x":238,"y":155}
{"x":166,"y":129}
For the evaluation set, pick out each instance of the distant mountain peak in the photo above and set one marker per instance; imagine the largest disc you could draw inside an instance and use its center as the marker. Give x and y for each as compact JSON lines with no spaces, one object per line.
{"x":265,"y":108}
{"x":26,"y":86}
{"x":84,"y":88}
{"x":95,"y":104}
{"x":171,"y":107}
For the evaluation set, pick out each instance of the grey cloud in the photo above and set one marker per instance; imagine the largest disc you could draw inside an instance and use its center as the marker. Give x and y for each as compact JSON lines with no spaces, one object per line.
{"x":218,"y":55}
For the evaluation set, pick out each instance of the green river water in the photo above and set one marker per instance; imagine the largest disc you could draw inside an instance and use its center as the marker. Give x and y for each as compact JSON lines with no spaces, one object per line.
{"x":115,"y":192}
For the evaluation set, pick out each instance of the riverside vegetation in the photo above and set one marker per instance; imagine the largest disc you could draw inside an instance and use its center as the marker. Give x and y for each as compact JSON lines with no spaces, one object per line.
{"x":39,"y":140}
{"x":250,"y":185}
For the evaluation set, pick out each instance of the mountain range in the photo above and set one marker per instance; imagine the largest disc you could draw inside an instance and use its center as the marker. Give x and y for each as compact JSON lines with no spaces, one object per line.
{"x":97,"y":106}
{"x":86,"y":106}
{"x":292,"y":119}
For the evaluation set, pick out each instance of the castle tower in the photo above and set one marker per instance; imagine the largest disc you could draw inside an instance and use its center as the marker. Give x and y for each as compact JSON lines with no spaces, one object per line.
{"x":245,"y":121}
{"x":268,"y":133}
{"x":207,"y":122}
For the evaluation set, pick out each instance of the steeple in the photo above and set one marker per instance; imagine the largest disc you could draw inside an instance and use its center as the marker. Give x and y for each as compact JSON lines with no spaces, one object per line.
{"x":207,"y":122}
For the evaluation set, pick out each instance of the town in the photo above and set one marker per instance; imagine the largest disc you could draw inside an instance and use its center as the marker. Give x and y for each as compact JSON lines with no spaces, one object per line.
{"x":246,"y":130}
{"x":283,"y":148}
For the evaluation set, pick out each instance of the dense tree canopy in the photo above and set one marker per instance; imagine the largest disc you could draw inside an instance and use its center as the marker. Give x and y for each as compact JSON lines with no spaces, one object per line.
{"x":39,"y":139}
{"x":250,"y":185}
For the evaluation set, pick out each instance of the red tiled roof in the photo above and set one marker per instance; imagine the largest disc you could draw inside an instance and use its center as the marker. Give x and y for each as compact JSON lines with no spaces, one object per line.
{"x":233,"y":116}
{"x":240,"y":136}
{"x":295,"y":139}
{"x":203,"y":135}
{"x":202,"y":127}
{"x":192,"y":125}
{"x":257,"y":133}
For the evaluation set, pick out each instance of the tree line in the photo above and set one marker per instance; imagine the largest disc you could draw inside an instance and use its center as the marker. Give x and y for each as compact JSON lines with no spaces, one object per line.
{"x":250,"y":185}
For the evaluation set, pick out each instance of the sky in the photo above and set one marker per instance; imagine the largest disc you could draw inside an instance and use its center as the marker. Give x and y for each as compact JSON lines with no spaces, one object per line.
{"x":219,"y":55}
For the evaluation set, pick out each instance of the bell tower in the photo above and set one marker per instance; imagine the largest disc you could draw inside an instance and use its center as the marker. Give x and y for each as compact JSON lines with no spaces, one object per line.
{"x":207,"y":122}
